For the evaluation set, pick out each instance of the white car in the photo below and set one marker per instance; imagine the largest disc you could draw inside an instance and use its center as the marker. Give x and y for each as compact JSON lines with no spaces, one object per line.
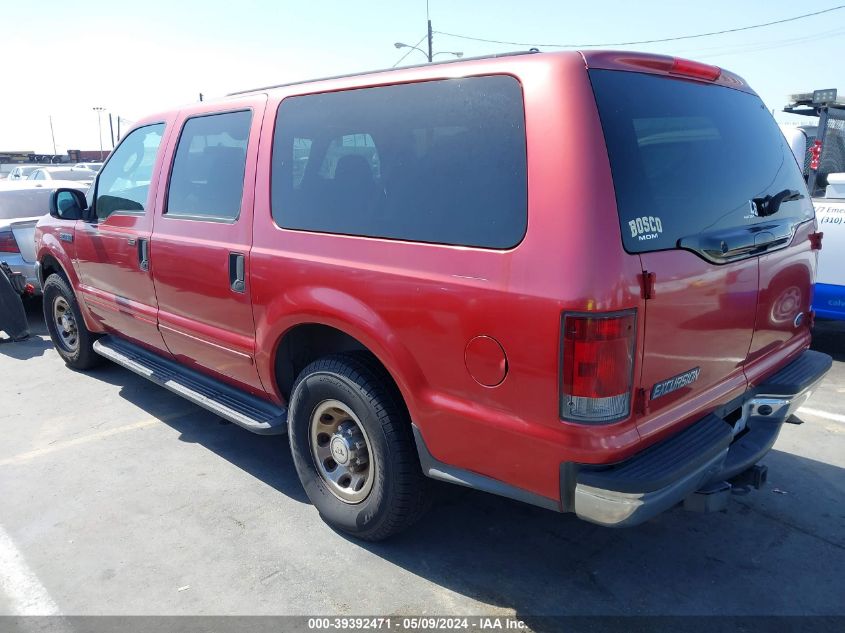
{"x":21,"y":172}
{"x":91,"y":166}
{"x":22,"y":203}
{"x":76,"y":174}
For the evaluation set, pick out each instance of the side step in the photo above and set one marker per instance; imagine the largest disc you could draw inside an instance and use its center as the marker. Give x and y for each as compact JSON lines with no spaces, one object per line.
{"x":250,"y":412}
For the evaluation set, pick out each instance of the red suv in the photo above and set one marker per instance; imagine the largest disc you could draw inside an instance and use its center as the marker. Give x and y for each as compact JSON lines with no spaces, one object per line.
{"x":580,"y":280}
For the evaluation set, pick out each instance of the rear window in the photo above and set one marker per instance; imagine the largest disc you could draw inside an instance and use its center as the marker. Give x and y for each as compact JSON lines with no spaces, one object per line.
{"x":438,"y":161}
{"x":689,"y":157}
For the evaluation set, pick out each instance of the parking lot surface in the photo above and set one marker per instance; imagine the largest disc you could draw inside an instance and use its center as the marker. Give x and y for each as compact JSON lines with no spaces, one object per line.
{"x":118,"y":497}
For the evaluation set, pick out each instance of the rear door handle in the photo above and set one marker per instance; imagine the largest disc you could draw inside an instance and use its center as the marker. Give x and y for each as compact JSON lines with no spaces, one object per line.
{"x":237,"y":280}
{"x":143,"y":253}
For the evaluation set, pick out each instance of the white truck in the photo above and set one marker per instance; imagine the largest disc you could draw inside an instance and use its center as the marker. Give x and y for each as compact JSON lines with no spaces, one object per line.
{"x":820,"y":147}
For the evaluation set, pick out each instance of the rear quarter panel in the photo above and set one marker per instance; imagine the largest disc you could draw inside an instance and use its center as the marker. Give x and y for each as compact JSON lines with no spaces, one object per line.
{"x":416,"y":306}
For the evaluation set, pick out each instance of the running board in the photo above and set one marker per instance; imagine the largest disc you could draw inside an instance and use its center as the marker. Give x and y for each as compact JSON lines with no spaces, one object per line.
{"x":250,"y":412}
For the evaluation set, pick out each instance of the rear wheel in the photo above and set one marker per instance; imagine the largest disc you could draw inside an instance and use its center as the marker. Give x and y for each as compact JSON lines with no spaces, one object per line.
{"x":72,"y":340}
{"x":353,"y":449}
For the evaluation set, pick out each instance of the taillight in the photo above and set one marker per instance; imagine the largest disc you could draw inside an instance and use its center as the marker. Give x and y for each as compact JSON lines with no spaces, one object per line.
{"x":598,"y":363}
{"x":815,"y":154}
{"x":8,"y":244}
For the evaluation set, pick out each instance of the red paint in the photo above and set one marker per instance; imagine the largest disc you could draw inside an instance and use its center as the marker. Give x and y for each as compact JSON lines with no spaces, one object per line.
{"x":204,"y":323}
{"x":416,"y":306}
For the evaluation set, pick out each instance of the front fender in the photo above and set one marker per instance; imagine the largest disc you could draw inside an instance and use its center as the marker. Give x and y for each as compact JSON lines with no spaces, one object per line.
{"x":49,"y":248}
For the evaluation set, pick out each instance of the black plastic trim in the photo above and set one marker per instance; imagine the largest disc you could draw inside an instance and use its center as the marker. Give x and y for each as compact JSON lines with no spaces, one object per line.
{"x":800,"y":374}
{"x":438,"y":470}
{"x":665,"y":463}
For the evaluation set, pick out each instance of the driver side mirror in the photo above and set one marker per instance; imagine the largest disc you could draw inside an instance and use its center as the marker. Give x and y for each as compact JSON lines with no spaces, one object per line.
{"x":67,"y":204}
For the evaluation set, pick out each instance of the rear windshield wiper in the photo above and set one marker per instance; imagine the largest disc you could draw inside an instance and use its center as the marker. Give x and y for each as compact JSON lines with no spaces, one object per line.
{"x":769,"y":205}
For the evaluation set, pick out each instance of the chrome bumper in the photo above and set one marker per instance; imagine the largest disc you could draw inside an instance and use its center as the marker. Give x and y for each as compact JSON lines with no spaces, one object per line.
{"x":706,"y":453}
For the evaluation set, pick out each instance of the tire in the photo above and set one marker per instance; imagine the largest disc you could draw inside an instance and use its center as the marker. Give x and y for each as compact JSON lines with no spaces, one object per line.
{"x":353,"y":390}
{"x":77,"y":351}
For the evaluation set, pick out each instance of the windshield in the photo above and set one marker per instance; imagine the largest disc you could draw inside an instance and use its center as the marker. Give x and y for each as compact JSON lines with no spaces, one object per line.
{"x":689,"y":157}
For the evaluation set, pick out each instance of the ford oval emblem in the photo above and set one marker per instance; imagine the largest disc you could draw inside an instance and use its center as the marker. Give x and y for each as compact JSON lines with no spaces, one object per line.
{"x":799,"y":319}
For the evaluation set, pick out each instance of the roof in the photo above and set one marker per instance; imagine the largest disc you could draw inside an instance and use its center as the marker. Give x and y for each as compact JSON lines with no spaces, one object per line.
{"x":383,"y":70}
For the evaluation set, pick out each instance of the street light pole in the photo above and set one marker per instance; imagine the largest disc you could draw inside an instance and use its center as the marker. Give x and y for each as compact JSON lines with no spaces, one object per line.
{"x":99,"y":112}
{"x":53,"y":136}
{"x":429,"y":40}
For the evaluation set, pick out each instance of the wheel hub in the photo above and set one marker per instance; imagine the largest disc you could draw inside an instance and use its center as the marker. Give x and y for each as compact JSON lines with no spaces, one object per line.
{"x":341,"y":451}
{"x":66,"y":329}
{"x":349,"y":447}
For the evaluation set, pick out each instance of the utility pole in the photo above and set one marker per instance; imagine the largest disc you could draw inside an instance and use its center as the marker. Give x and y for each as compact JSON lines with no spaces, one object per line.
{"x":53,"y":136}
{"x":111,"y":130}
{"x":99,"y":112}
{"x":428,"y":17}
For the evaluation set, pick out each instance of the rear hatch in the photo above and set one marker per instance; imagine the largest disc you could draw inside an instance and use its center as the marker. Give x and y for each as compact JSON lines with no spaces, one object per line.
{"x":712,"y":201}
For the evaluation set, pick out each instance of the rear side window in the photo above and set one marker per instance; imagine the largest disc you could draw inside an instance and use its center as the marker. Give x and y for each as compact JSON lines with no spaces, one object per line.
{"x":688,"y":158}
{"x":207,"y":179}
{"x":439,"y":161}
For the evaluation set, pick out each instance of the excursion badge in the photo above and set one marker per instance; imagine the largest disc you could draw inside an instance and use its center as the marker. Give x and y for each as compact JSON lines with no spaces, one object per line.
{"x":676,"y":382}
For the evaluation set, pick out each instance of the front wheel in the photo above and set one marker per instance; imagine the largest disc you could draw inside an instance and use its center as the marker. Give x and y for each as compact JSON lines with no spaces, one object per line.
{"x":72,"y":340}
{"x":353,"y":449}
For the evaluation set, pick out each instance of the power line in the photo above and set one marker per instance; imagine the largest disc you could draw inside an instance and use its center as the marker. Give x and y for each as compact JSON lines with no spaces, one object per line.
{"x":701,"y":50}
{"x":665,"y":39}
{"x":764,"y":46}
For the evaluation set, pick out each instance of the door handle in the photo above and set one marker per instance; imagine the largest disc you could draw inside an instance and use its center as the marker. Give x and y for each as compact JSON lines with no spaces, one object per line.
{"x":143,"y":254}
{"x":237,"y":280}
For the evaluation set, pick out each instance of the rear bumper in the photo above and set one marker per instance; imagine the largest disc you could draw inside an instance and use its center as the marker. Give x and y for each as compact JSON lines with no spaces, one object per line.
{"x":710,"y":451}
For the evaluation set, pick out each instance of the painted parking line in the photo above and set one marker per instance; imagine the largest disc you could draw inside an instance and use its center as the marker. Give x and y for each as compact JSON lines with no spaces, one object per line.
{"x":24,"y":592}
{"x":85,"y":439}
{"x":835,"y":417}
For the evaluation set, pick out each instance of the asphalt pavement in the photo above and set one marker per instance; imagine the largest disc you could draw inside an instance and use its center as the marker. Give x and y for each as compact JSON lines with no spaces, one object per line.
{"x":118,"y":497}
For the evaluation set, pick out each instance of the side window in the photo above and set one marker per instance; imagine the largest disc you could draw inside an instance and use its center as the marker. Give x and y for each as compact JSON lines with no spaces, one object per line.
{"x":301,"y":153}
{"x":124,"y":182}
{"x":359,"y":145}
{"x":207,"y":179}
{"x":437,"y":161}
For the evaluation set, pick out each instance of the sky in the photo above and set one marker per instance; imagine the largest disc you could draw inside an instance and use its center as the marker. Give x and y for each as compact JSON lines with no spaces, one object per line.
{"x":62,"y":59}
